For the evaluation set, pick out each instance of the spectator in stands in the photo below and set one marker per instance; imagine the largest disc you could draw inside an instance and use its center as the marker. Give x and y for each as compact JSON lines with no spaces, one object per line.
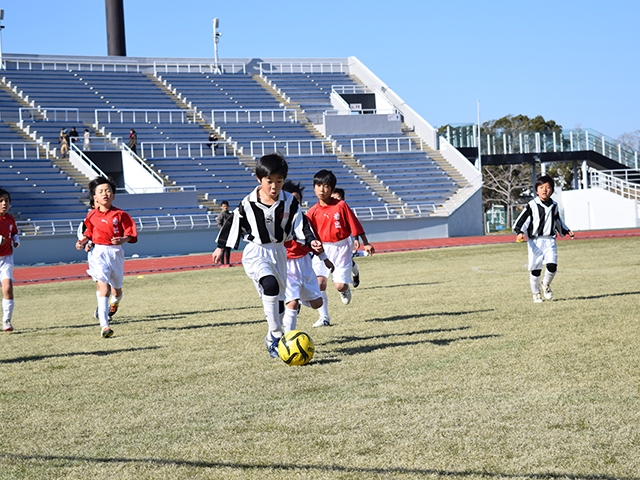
{"x":541,"y":222}
{"x":73,"y":135}
{"x":133,"y":141}
{"x":8,"y":241}
{"x":223,"y":218}
{"x":108,"y":228}
{"x":338,"y":194}
{"x":64,"y":143}
{"x":213,"y":143}
{"x":87,"y":140}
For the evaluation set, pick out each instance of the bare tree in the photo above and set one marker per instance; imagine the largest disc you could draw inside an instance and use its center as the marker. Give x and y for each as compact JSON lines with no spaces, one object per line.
{"x":631,"y":140}
{"x":505,"y":184}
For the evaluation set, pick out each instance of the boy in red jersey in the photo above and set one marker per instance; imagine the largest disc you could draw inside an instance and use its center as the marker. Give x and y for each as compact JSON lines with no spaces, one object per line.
{"x":336,"y":226}
{"x":302,"y":284}
{"x":8,"y":241}
{"x":107,"y":228}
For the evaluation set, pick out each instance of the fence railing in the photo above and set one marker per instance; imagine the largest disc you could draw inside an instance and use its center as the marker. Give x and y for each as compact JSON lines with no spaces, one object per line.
{"x":291,"y":147}
{"x":348,"y":89}
{"x":267,"y":68}
{"x":18,"y":63}
{"x":379,"y":145}
{"x":144,"y":116}
{"x":621,"y":182}
{"x":256,"y":116}
{"x":49,"y":114}
{"x":188,"y":149}
{"x":188,"y":67}
{"x":23,"y":150}
{"x":543,"y":142}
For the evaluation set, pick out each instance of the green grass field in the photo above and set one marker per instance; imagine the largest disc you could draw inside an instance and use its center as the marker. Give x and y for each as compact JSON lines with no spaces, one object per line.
{"x":441,"y":367}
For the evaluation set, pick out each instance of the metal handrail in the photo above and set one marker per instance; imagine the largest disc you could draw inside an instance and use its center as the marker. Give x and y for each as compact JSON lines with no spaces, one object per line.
{"x":302,"y":67}
{"x":191,"y":149}
{"x":15,"y":148}
{"x":292,"y":147}
{"x":256,"y":116}
{"x":128,"y":115}
{"x":198,"y":67}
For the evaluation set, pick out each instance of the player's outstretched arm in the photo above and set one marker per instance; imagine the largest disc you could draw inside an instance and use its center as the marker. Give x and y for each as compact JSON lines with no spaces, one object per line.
{"x":366,"y":246}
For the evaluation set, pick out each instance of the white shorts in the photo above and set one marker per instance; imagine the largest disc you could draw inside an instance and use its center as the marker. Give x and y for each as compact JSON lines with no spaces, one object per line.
{"x":262,"y":260}
{"x":302,"y":282}
{"x":340,"y":254}
{"x":106,"y":264}
{"x":6,"y":268}
{"x":542,"y":250}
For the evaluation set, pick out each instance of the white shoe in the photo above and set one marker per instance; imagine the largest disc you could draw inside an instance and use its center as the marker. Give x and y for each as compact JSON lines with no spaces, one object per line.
{"x":537,"y":298}
{"x":546,"y":291}
{"x":346,"y":296}
{"x":322,"y":322}
{"x":6,"y":326}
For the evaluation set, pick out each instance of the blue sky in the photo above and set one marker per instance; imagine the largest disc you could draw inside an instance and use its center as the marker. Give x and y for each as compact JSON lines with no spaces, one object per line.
{"x":576,"y":62}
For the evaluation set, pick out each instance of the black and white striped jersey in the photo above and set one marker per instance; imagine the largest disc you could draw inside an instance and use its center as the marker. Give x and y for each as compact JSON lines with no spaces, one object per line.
{"x":540,"y":220}
{"x":263,"y":224}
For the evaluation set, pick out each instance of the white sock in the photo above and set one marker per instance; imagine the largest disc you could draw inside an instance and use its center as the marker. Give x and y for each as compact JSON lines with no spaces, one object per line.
{"x":113,"y":299}
{"x":272,"y":313}
{"x":548,"y":277}
{"x":354,"y":268}
{"x":290,"y":319}
{"x":535,"y":284}
{"x":103,"y":311}
{"x":7,"y":310}
{"x":324,"y":309}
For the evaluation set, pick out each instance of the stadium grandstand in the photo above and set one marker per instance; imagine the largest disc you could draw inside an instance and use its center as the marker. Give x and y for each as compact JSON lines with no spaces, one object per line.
{"x":401,"y":178}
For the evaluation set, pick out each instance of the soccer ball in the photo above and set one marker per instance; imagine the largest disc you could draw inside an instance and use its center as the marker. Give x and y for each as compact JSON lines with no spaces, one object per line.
{"x":296,"y":348}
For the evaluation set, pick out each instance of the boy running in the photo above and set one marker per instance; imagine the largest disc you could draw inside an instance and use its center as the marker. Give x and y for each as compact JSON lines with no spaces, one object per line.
{"x":302,"y":283}
{"x":338,"y":194}
{"x":107,"y":228}
{"x":8,"y":241}
{"x":335,"y":224}
{"x":267,"y":218}
{"x":541,"y":221}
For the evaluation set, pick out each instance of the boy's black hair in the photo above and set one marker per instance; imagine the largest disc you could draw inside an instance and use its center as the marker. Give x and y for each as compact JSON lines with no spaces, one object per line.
{"x":101,"y":181}
{"x":4,"y":192}
{"x":291,"y":187}
{"x":271,"y":164}
{"x":339,"y":191}
{"x":224,"y":202}
{"x":325,"y":177}
{"x":545,"y":179}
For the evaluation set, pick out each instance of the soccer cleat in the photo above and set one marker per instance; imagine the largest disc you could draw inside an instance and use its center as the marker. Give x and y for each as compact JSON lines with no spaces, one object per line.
{"x":107,"y":332}
{"x":322,"y":322}
{"x":113,"y":308}
{"x":6,"y":326}
{"x":346,"y":296}
{"x":272,"y":346}
{"x":546,"y":291}
{"x":537,"y":298}
{"x":355,"y":277}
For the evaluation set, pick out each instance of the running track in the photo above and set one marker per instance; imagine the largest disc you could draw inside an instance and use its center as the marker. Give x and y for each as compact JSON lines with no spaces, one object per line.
{"x":147,"y":266}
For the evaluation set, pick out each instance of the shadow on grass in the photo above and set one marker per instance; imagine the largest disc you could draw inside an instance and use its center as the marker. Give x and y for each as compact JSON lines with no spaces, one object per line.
{"x":97,"y":353}
{"x":290,"y":467}
{"x":441,"y":342}
{"x":119,"y":320}
{"x":594,"y":297}
{"x":387,"y":335}
{"x":396,"y":318}
{"x":213,"y":325}
{"x":399,"y":285}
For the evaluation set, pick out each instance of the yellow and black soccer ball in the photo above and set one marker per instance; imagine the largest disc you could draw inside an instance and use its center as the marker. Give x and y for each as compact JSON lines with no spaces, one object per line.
{"x":296,"y":348}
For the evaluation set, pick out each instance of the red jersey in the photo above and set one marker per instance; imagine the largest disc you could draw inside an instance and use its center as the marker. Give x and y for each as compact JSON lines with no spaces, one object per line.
{"x":8,"y":229}
{"x":103,"y":226}
{"x":334,"y":222}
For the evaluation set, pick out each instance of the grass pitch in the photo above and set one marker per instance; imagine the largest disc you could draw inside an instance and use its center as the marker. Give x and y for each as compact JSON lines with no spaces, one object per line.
{"x":441,"y":367}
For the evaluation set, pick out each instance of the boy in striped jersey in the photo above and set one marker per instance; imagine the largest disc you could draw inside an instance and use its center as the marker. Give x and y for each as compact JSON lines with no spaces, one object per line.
{"x":267,"y":218}
{"x":541,"y":221}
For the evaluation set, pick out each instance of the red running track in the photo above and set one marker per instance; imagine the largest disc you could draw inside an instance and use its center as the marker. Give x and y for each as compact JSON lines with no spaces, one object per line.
{"x":147,"y":266}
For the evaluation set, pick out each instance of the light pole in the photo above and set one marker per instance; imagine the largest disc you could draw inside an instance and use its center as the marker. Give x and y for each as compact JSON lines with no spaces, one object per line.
{"x":216,"y":39}
{"x":2,"y":66}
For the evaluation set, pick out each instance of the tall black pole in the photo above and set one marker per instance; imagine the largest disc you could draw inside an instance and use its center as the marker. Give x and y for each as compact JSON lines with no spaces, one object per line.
{"x":115,"y":28}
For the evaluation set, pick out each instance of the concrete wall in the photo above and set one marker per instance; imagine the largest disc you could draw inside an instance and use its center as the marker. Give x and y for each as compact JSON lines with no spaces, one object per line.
{"x":597,"y":209}
{"x":467,"y":219}
{"x":361,"y":124}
